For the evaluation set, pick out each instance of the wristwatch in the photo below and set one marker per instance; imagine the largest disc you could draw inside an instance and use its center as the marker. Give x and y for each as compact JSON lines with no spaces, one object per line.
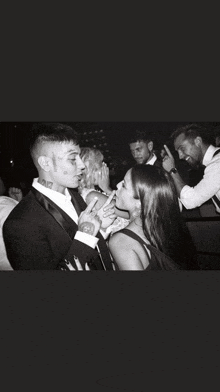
{"x":174,"y":170}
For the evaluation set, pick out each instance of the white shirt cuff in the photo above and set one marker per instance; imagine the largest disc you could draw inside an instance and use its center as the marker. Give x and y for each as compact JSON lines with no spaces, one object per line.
{"x":104,"y":234}
{"x":87,"y":239}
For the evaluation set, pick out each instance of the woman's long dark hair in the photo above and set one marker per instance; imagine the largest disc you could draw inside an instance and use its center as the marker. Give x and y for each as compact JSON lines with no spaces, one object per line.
{"x":162,"y":222}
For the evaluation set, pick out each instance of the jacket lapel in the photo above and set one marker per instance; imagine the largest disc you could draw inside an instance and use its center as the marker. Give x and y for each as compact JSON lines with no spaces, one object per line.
{"x":77,"y":200}
{"x":58,"y":214}
{"x":71,"y":227}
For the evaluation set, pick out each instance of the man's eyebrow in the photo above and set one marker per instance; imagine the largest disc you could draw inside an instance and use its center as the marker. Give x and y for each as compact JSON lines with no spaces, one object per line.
{"x":72,"y":152}
{"x":179,"y":146}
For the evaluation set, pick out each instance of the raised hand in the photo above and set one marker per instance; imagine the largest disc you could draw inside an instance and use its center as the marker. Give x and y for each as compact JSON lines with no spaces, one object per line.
{"x":15,"y":193}
{"x":168,"y":161}
{"x":103,"y":179}
{"x":107,"y":212}
{"x":89,"y":222}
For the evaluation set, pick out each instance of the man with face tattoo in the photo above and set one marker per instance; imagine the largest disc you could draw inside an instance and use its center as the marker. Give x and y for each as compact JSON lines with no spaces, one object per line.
{"x":52,"y":228}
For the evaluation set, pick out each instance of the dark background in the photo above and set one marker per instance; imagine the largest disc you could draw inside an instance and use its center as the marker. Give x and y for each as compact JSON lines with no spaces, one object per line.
{"x":16,"y":166}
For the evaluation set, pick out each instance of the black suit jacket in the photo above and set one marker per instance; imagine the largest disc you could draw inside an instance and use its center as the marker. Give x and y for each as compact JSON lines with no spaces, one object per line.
{"x":39,"y":235}
{"x":158,"y":163}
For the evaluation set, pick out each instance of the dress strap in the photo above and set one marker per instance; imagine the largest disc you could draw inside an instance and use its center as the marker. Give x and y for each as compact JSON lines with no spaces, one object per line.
{"x":158,"y":260}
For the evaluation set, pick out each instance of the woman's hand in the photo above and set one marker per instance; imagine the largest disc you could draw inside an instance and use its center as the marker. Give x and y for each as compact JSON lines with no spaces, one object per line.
{"x":69,"y":267}
{"x":103,"y":179}
{"x":107,"y":212}
{"x":15,"y":193}
{"x":79,"y":265}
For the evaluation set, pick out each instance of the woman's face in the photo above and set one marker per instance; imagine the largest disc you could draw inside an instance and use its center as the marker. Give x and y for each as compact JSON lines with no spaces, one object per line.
{"x":124,"y":194}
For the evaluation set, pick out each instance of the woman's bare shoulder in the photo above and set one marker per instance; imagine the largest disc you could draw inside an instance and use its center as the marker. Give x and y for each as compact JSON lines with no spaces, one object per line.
{"x":101,"y":198}
{"x":119,"y":238}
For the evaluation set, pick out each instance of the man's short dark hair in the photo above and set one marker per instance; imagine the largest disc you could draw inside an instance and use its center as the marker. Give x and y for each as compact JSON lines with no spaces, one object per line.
{"x":139,"y":136}
{"x":51,"y":132}
{"x":191,"y":131}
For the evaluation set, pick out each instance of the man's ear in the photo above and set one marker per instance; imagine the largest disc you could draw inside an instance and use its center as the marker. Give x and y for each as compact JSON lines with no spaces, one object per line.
{"x":198,"y":141}
{"x":44,"y":162}
{"x":150,"y":146}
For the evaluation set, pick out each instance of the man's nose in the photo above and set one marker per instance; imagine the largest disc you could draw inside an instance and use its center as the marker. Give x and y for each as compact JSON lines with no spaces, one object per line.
{"x":80,"y":163}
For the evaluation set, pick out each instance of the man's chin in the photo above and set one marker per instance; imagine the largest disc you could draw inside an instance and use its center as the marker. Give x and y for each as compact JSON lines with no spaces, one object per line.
{"x":196,"y":165}
{"x":140,"y":162}
{"x":74,"y":185}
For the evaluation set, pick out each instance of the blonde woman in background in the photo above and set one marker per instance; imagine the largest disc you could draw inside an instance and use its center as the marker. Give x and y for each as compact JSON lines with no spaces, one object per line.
{"x":95,"y":182}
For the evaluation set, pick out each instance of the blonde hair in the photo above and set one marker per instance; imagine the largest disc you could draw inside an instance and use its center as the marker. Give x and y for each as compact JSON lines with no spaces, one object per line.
{"x":92,"y":159}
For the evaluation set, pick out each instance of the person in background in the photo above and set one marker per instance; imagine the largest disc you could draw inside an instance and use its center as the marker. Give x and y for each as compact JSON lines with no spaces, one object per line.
{"x":142,"y":148}
{"x":193,"y":144}
{"x":52,"y":226}
{"x":12,"y":192}
{"x":216,"y":132}
{"x":157,"y":237}
{"x":217,"y":141}
{"x":95,"y":182}
{"x":6,"y":206}
{"x":7,"y":203}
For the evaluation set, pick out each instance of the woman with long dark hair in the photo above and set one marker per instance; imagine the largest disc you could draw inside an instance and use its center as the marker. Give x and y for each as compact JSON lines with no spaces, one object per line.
{"x":157,"y":236}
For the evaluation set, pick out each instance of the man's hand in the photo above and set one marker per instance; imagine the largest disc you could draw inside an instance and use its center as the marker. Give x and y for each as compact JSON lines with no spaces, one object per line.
{"x":89,"y":221}
{"x":103,"y":179}
{"x":107,"y":212}
{"x":168,"y":161}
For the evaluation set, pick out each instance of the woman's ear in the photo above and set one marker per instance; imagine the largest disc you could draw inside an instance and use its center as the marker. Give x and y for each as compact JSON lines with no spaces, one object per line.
{"x":44,"y":162}
{"x":137,"y":210}
{"x":138,"y":204}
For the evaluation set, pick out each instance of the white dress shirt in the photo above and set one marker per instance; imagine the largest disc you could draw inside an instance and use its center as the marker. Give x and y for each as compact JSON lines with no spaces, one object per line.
{"x":64,"y":202}
{"x":193,"y":197}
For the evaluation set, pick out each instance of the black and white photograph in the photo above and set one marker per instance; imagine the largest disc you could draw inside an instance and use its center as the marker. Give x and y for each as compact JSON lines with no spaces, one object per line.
{"x":110,"y":196}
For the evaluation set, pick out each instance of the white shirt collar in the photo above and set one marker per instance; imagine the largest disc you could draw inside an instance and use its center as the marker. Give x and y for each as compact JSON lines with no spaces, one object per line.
{"x":55,"y":196}
{"x":209,"y":154}
{"x":152,"y":160}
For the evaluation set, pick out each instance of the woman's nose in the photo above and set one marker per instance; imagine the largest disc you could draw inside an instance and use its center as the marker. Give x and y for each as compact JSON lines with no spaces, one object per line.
{"x":118,"y":186}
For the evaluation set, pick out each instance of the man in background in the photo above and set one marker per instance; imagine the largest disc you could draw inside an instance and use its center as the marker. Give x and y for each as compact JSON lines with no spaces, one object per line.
{"x":142,"y":148}
{"x":193,"y":144}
